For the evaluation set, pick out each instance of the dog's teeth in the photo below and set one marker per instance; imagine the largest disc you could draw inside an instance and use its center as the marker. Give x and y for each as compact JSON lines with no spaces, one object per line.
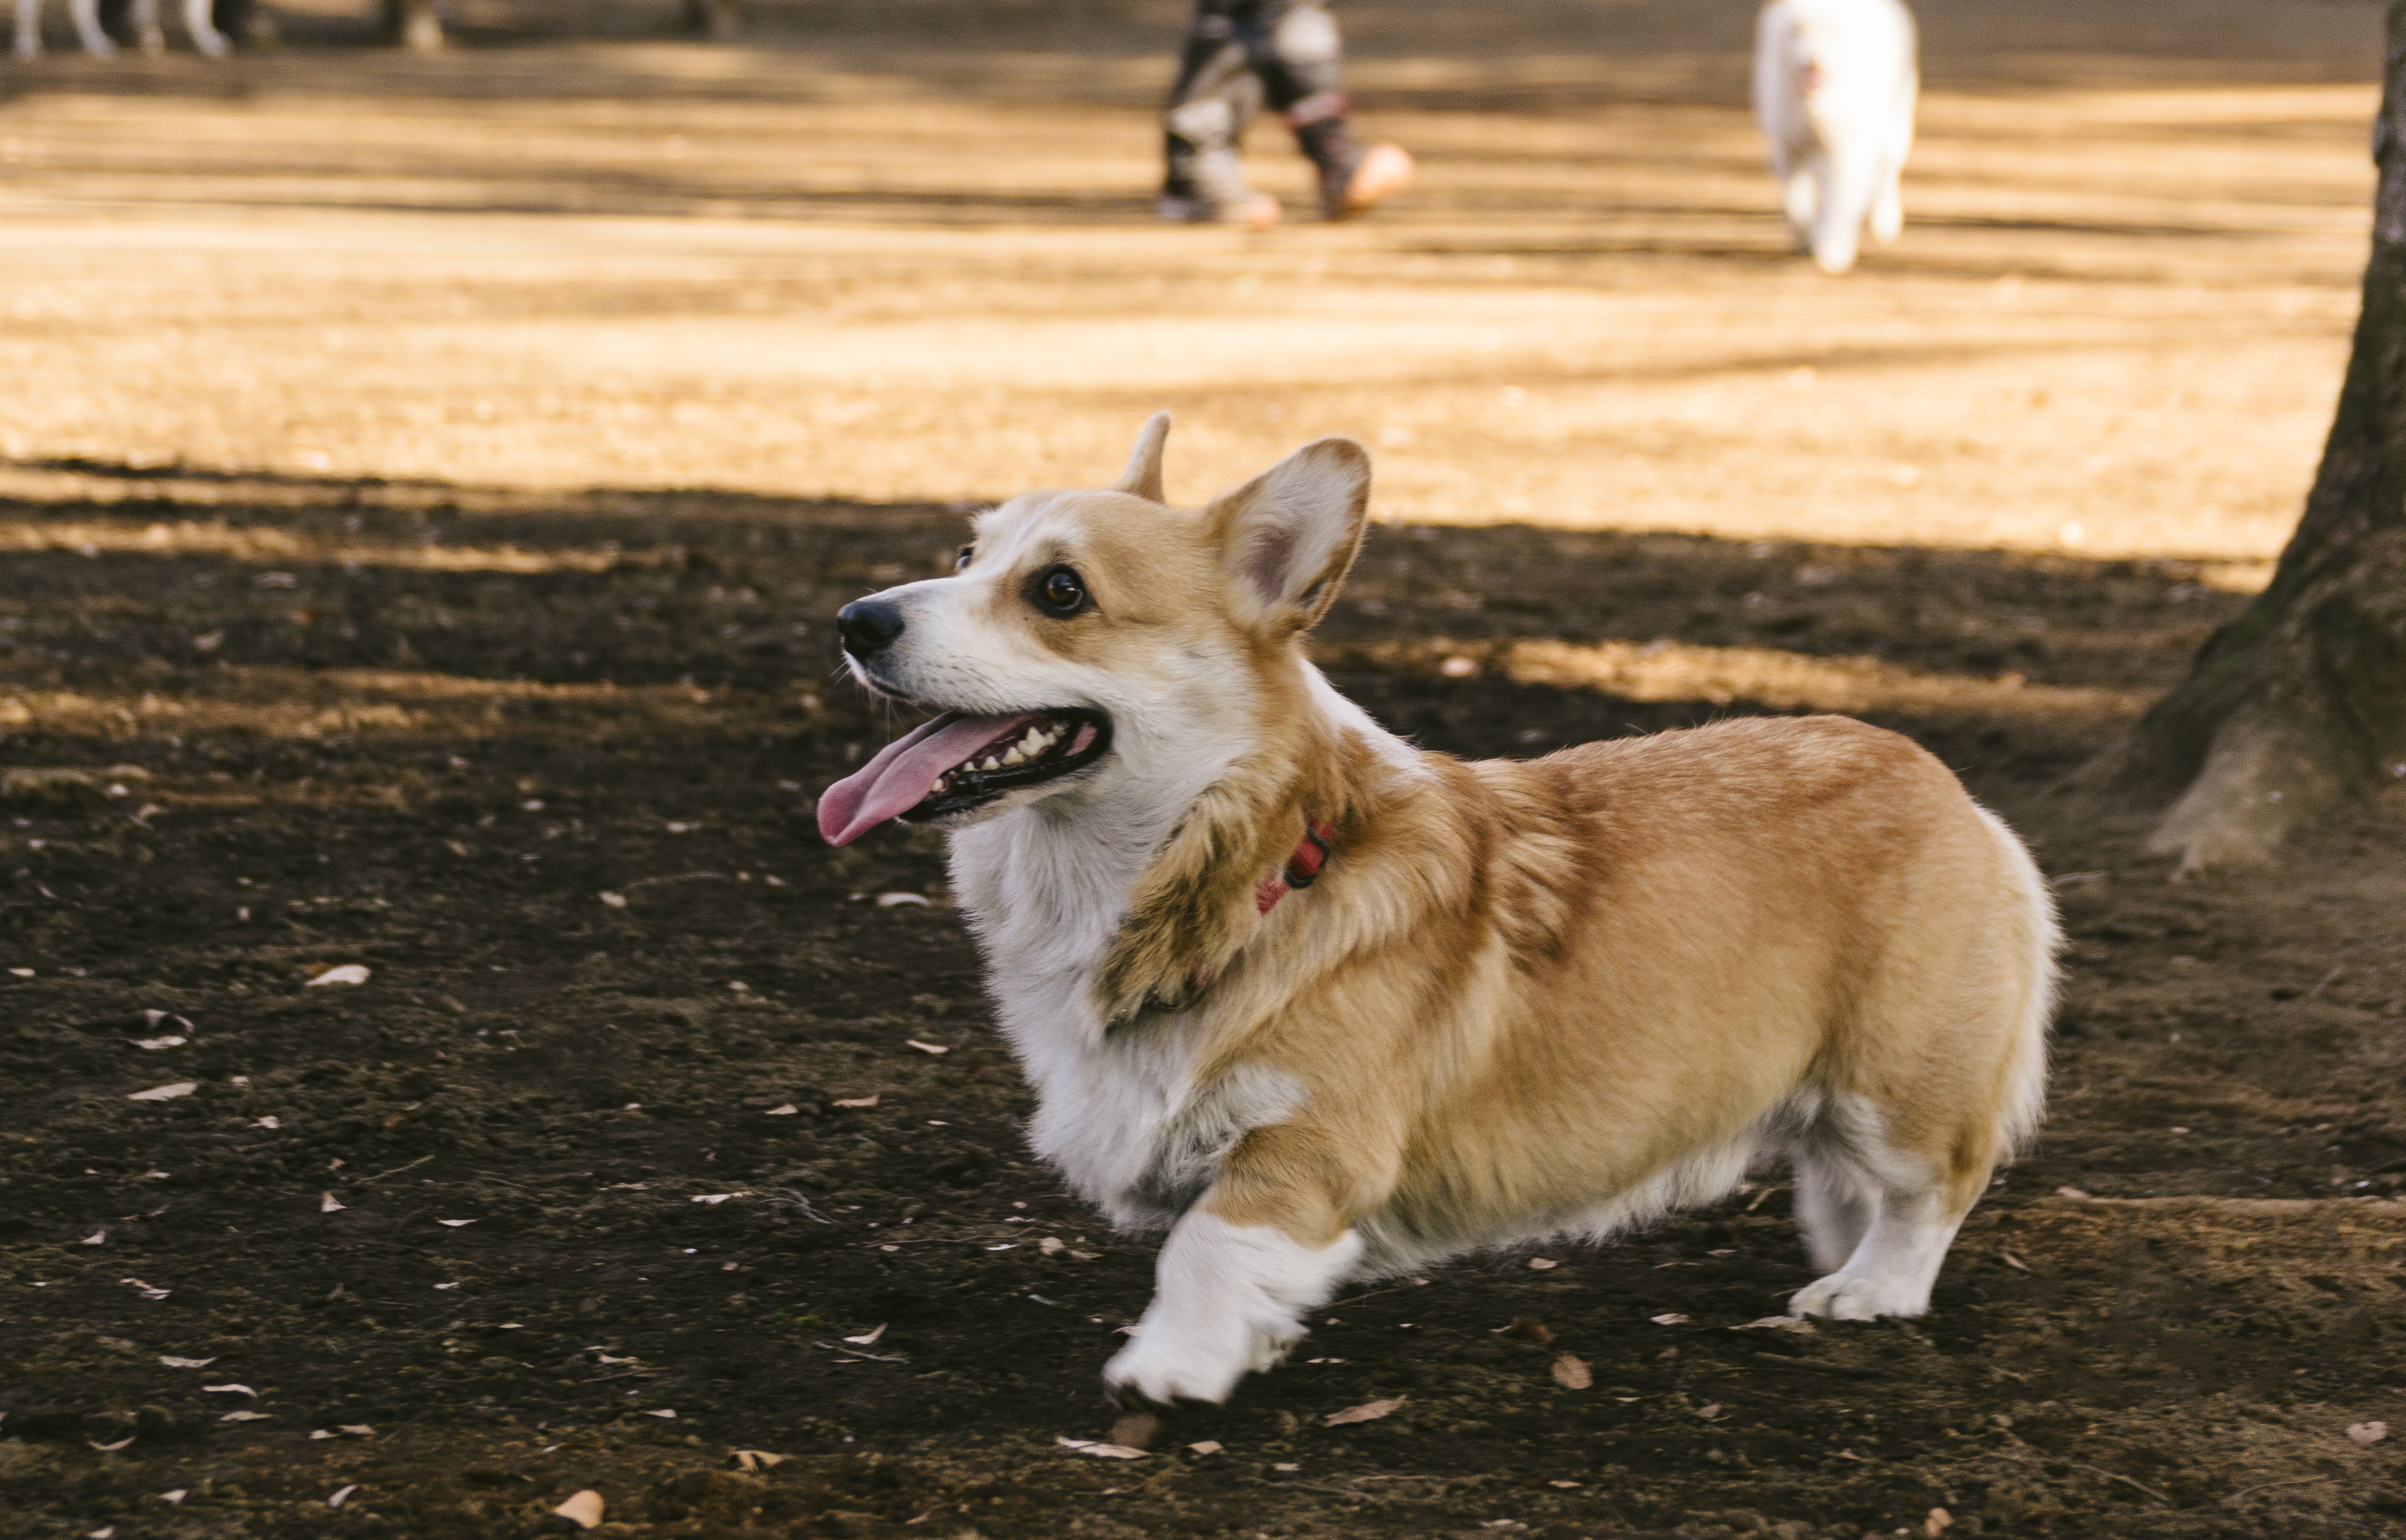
{"x":991,"y":763}
{"x":1013,"y":757}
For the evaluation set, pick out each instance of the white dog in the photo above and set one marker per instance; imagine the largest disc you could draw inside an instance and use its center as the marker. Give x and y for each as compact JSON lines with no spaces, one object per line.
{"x":1325,"y":1005}
{"x":1835,"y":87}
{"x":86,"y":13}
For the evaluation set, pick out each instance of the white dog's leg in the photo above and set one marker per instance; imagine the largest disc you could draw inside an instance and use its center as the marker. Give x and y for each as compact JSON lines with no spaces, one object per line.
{"x":1846,"y":191}
{"x":1891,"y":1269}
{"x":1230,"y":1302}
{"x":147,"y":34}
{"x":1888,"y":209}
{"x":1799,"y":196}
{"x":29,"y":28}
{"x":87,"y":25}
{"x":206,"y":36}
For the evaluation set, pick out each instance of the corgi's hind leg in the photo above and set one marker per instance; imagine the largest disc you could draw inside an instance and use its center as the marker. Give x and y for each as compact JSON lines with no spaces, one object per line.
{"x":1913,"y":1215}
{"x":1834,"y":1208}
{"x":1235,"y":1279}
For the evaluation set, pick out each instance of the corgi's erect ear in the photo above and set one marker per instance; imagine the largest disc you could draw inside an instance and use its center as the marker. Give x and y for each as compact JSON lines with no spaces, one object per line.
{"x":1288,"y":536}
{"x":1142,"y":477}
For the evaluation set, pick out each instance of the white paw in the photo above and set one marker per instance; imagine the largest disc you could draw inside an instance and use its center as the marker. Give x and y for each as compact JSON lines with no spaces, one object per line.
{"x":1848,"y":1296}
{"x":1192,"y":1359}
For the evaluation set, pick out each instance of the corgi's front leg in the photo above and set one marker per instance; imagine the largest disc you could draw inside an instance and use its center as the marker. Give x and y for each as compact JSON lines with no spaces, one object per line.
{"x":1239,"y":1273}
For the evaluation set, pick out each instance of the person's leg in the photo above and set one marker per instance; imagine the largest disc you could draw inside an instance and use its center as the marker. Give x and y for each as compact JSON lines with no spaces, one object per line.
{"x":1203,"y":120}
{"x":1294,"y":47}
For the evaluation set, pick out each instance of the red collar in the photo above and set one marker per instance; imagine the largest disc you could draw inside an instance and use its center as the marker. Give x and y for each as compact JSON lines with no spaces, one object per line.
{"x":1302,"y":870}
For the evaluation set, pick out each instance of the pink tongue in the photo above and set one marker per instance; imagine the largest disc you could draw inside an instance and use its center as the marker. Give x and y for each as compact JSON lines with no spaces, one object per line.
{"x":905,"y":771}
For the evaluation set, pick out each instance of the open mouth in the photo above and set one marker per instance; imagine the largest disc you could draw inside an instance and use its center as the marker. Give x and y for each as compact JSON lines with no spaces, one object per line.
{"x":957,"y":763}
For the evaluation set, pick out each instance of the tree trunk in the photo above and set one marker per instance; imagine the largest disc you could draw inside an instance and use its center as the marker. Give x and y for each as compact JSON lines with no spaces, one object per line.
{"x":414,"y":25}
{"x":2302,"y":700}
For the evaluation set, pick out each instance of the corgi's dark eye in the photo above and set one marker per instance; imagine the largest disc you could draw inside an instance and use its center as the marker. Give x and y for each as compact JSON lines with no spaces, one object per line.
{"x":1060,"y":591}
{"x":963,"y":564}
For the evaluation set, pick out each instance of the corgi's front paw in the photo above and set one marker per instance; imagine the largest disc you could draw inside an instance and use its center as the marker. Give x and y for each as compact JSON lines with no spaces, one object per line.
{"x":1850,"y":1296}
{"x":1192,"y":1360}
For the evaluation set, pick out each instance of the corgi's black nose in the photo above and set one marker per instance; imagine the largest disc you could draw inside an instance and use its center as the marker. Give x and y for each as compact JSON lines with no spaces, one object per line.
{"x":869,"y":626}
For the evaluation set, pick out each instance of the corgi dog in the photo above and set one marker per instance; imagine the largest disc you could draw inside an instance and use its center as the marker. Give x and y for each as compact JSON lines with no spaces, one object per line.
{"x":95,"y":39}
{"x":1326,"y":1006}
{"x":1836,"y":83}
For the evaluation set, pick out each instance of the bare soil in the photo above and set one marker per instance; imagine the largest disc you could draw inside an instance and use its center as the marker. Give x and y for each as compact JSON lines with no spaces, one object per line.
{"x":534,"y":740}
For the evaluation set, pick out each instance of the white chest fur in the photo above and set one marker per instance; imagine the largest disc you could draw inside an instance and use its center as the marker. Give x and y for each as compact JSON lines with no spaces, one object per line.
{"x":1121,"y":1114}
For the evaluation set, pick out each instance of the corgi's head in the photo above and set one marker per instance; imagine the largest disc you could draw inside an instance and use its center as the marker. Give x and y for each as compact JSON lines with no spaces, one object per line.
{"x":1094,"y":641}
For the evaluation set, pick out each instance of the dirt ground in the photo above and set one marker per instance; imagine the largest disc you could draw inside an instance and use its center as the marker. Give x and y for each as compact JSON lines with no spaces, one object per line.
{"x":427,"y":488}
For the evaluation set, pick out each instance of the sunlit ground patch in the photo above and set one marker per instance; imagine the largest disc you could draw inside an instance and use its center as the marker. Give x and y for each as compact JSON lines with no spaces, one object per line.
{"x":1762,"y":676}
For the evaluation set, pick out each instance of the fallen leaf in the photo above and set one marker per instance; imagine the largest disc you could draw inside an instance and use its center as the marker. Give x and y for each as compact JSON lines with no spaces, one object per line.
{"x":1779,"y":1323}
{"x":2016,"y":1264}
{"x":1572,"y":1373}
{"x":668,"y":1412}
{"x":1529,"y":1327}
{"x":111,"y":1448}
{"x":860,"y":1101}
{"x":230,"y":1389}
{"x":267,"y":1122}
{"x":455,"y":1223}
{"x":1052,"y":1245}
{"x":1567,"y":1486}
{"x":245,"y":1417}
{"x":97,"y":1237}
{"x":343,"y":1496}
{"x":926,"y":1048}
{"x":2368,"y":1432}
{"x":615,"y":901}
{"x":1288,"y":1467}
{"x":154,"y":1044}
{"x":892,"y":900}
{"x":1208,"y":1446}
{"x":1542,"y":1264}
{"x":1671,"y":1318}
{"x":188,"y":1362}
{"x":584,"y":1510}
{"x":329,"y":1204}
{"x":176,"y":1496}
{"x":867,"y":1339}
{"x":786,"y":1111}
{"x":147,"y":1292}
{"x":1937,"y":1523}
{"x":358,"y":1430}
{"x":717,"y":1198}
{"x":758,"y":1460}
{"x":1370,"y":1411}
{"x":167,"y":1093}
{"x":106,"y":1532}
{"x":348,"y":973}
{"x":1102,"y":1451}
{"x":2070,"y":1193}
{"x":1709,"y":1413}
{"x":320,"y":1433}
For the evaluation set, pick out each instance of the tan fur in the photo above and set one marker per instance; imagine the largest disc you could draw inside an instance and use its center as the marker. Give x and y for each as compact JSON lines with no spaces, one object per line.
{"x":1522,"y":987}
{"x":1522,"y":998}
